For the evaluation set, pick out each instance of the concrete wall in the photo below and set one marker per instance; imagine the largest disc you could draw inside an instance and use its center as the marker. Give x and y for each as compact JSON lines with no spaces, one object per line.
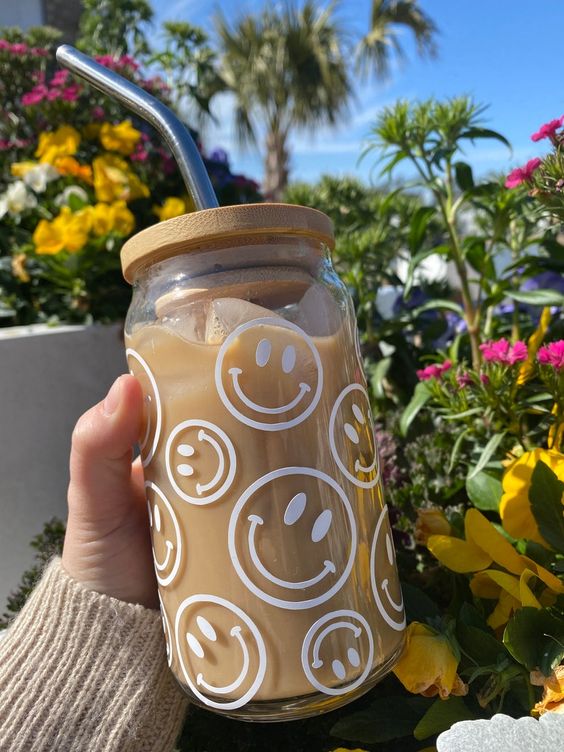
{"x":48,"y":378}
{"x":23,"y":13}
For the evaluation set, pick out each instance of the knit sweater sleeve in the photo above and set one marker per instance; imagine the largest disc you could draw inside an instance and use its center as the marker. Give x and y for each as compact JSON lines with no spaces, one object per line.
{"x":84,"y":671}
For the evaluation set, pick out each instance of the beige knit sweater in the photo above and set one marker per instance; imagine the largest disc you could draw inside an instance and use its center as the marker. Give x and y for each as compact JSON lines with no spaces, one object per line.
{"x":83,"y":671}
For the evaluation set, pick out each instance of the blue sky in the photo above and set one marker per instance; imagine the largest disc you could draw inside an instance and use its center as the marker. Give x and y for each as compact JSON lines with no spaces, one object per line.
{"x":505,"y":53}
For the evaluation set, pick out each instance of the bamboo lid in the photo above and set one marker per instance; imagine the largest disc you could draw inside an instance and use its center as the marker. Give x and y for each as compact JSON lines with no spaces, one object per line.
{"x":248,"y":223}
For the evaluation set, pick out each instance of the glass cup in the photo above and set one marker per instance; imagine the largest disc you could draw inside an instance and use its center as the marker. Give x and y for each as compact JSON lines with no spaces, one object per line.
{"x":272,"y":543}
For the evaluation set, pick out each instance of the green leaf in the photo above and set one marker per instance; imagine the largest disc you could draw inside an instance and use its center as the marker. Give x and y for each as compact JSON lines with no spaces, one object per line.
{"x":488,"y":452}
{"x":418,"y":227}
{"x":418,"y":605}
{"x":377,"y":376}
{"x":537,"y":297}
{"x":440,"y":717}
{"x":484,"y":491}
{"x":535,"y":638}
{"x":479,"y":644}
{"x":456,"y":449}
{"x":464,"y":176}
{"x":439,"y":303}
{"x":545,"y":495}
{"x":473,"y":133}
{"x":414,"y":262}
{"x":392,"y":718}
{"x":421,"y":396}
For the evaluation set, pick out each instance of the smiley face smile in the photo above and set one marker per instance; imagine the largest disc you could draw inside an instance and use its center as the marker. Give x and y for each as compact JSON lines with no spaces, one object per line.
{"x":169,"y":550}
{"x":201,"y":682}
{"x":236,"y":372}
{"x":385,"y":587}
{"x":329,"y":567}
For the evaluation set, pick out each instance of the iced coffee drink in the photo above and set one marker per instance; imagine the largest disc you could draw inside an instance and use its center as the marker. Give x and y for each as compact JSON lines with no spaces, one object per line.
{"x":272,"y":544}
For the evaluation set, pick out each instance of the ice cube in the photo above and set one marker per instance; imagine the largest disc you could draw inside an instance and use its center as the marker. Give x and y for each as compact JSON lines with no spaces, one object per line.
{"x":226,"y":314}
{"x":318,"y":312}
{"x":188,"y":321}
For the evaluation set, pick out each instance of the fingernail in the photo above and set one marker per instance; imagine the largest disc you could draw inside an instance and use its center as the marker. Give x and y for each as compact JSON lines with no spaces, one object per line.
{"x":111,"y":402}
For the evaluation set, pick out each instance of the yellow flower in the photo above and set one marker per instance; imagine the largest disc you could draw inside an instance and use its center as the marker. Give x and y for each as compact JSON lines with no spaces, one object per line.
{"x":485,"y":546}
{"x":553,"y":695}
{"x":515,"y":508}
{"x":114,"y":181}
{"x":19,"y":169}
{"x":112,"y":217}
{"x":68,"y":231}
{"x":122,"y":137}
{"x":18,"y":267}
{"x":533,"y":343}
{"x":430,"y":521}
{"x":63,"y":142}
{"x":70,"y":166}
{"x":427,"y":665}
{"x":172,"y":207}
{"x":124,"y":221}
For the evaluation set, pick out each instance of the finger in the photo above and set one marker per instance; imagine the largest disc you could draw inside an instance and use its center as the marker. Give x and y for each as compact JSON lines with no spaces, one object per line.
{"x":100,"y":465}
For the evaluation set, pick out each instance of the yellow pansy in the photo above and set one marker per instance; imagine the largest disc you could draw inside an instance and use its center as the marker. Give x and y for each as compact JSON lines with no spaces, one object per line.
{"x":114,"y":181}
{"x":102,"y":219}
{"x":122,"y":137}
{"x":430,"y":521}
{"x":515,"y":508}
{"x":123,"y":219}
{"x":427,"y":665}
{"x":63,"y":142}
{"x":533,"y":343}
{"x":553,"y":696}
{"x":71,"y":166}
{"x":19,"y":169}
{"x":172,"y":207}
{"x":485,"y":546}
{"x":18,"y":267}
{"x":69,"y":231}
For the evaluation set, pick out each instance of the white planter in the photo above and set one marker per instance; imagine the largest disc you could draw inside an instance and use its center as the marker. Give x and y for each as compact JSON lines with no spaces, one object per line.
{"x":48,"y":378}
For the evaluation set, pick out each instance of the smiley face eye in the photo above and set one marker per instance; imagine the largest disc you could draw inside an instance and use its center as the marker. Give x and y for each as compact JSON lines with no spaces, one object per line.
{"x":295,"y":508}
{"x":389,"y":549}
{"x":206,"y":628}
{"x":157,"y":518}
{"x":321,"y":525}
{"x":354,"y":657}
{"x":262,"y":356}
{"x":338,"y":669}
{"x":288,"y":358}
{"x":352,"y":433}
{"x":194,"y":645}
{"x":358,"y":414}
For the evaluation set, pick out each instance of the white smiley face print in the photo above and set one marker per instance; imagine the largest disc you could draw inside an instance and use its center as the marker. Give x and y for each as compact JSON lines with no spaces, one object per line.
{"x":292,"y":537}
{"x":167,"y":632}
{"x":337,"y":646}
{"x":200,"y":461}
{"x":269,"y":374}
{"x":165,"y":535}
{"x":151,"y":431}
{"x":384,"y":576}
{"x":221,"y":651}
{"x":351,"y":437}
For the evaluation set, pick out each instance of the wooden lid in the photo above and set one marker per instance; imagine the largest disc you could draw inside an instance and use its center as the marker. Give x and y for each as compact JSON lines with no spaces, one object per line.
{"x":212,"y":227}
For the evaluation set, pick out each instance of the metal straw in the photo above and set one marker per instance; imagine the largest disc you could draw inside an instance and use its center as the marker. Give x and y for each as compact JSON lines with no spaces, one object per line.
{"x":154,"y":112}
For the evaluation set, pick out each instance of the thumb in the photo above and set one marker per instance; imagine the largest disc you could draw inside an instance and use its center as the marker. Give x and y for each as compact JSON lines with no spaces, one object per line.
{"x":101,"y":488}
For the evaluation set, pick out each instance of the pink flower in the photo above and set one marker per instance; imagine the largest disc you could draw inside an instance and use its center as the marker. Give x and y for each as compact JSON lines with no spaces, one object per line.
{"x":552,"y":355}
{"x":434,"y":371}
{"x":19,"y":49}
{"x":141,"y":155}
{"x":35,"y":96}
{"x":71,"y":93}
{"x":60,"y":78}
{"x":4,"y":44}
{"x":522,"y":174}
{"x":127,"y":60}
{"x":464,"y":379}
{"x":5,"y":145}
{"x":548,"y":130}
{"x":39,"y":52}
{"x":98,"y":113}
{"x":53,"y":95}
{"x":501,"y":351}
{"x":485,"y":379}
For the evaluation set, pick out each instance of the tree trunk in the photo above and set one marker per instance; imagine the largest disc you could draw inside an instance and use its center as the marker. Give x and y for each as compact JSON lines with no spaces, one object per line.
{"x":276,"y":167}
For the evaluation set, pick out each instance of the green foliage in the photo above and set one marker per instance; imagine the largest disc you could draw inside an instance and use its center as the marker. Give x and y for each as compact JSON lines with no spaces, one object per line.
{"x":535,"y":638}
{"x":47,"y":544}
{"x":546,"y":495}
{"x":440,"y":717}
{"x":115,"y":27}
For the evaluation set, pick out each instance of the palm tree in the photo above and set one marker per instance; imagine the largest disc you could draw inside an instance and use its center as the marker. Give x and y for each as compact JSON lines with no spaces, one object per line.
{"x":287,"y":69}
{"x":387,"y":19}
